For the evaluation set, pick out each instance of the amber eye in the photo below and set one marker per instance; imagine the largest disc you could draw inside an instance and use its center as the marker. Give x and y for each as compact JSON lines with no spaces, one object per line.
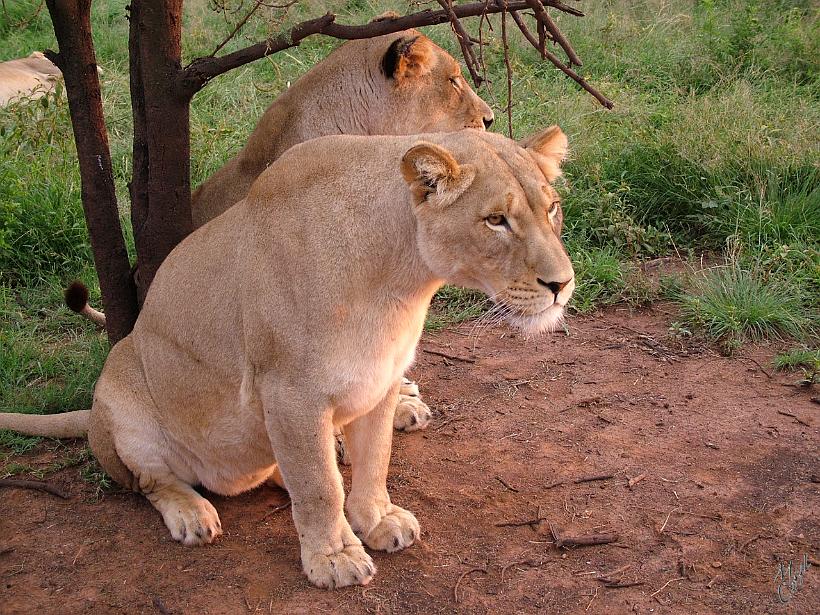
{"x":496,"y":220}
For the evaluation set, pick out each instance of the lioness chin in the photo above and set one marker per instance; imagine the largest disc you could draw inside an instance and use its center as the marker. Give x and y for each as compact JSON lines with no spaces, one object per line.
{"x":299,"y":310}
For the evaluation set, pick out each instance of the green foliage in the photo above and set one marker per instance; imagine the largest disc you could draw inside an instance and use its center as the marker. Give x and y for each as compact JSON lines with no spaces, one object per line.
{"x":734,"y":304}
{"x":807,"y":358}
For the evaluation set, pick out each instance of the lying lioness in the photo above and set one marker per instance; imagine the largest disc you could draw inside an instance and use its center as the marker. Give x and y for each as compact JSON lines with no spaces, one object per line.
{"x":399,"y":83}
{"x":299,"y":310}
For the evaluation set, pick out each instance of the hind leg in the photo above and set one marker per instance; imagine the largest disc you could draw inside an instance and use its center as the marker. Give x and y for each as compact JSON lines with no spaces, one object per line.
{"x":128,"y":442}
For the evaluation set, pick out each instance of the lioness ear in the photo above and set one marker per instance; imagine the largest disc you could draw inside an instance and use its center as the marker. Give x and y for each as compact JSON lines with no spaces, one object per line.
{"x":408,"y":58}
{"x":430,"y":169}
{"x":549,"y":148}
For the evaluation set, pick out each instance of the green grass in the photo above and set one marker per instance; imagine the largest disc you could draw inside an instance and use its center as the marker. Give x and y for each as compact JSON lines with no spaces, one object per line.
{"x":712,"y":147}
{"x":734,"y":304}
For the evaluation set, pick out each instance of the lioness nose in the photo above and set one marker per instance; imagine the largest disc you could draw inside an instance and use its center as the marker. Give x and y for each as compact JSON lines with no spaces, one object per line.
{"x":488,"y":121}
{"x":555,"y":287}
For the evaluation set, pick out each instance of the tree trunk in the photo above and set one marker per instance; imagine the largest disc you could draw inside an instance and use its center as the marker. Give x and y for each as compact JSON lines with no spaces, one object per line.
{"x":161,"y":184}
{"x":72,"y":26}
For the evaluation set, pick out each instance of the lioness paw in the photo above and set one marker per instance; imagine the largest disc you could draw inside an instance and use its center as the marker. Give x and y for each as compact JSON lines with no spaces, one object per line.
{"x":411,"y":414}
{"x":350,"y":566}
{"x":397,"y":529}
{"x":193,"y":522}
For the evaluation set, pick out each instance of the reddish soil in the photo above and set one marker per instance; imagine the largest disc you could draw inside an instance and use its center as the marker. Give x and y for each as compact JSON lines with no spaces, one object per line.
{"x":730,"y":493}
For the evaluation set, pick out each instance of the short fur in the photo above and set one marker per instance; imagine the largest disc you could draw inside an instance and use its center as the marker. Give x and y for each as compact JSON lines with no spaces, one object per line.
{"x":395,"y":84}
{"x":31,"y":77}
{"x":299,"y":310}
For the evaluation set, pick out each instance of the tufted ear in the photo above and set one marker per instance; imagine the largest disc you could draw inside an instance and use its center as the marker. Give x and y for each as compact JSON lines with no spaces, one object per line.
{"x":549,"y":148}
{"x":431,"y":169}
{"x":408,"y":58}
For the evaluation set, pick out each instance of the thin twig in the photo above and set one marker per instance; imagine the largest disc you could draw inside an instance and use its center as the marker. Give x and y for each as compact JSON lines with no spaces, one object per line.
{"x":578,"y":481}
{"x":634,"y":481}
{"x":665,"y":584}
{"x":508,"y":66}
{"x":542,"y":16}
{"x":462,"y":577}
{"x":33,"y":484}
{"x":454,"y":357}
{"x":795,"y":417}
{"x":506,"y":484}
{"x":464,"y":41}
{"x":660,"y":531}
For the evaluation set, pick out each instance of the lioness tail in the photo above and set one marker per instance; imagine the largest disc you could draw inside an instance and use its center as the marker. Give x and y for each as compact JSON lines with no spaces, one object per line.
{"x":65,"y":425}
{"x":76,"y":298}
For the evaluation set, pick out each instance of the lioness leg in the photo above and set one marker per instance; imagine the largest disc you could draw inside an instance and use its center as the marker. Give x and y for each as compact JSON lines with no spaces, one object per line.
{"x":302,"y":441}
{"x":130,"y":445}
{"x":411,"y":413}
{"x":378,"y":522}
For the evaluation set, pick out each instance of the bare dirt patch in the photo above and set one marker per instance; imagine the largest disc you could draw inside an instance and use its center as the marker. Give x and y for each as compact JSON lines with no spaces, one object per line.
{"x":724,"y":489}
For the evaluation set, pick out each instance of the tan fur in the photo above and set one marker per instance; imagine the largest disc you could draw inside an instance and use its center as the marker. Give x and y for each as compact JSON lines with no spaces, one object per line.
{"x":30,"y":77}
{"x":348,"y":93}
{"x":299,"y":310}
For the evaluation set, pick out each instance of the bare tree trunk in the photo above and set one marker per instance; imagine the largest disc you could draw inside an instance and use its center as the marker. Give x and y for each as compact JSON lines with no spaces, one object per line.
{"x":161,"y":185}
{"x":72,"y":26}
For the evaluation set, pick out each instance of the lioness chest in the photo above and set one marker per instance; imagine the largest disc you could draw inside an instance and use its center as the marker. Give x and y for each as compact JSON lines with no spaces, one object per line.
{"x":372,"y":362}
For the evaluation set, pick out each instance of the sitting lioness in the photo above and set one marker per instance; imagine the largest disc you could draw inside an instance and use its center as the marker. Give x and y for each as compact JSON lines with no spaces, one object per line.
{"x":299,"y":309}
{"x":399,"y":83}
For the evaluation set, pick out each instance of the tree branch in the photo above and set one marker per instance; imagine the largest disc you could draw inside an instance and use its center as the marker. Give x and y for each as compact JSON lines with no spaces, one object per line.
{"x":542,"y":16}
{"x":464,"y":41}
{"x":197,"y":74}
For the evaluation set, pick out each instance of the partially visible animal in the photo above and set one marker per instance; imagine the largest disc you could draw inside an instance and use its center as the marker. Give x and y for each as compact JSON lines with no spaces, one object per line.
{"x":27,"y":78}
{"x":298,"y":310}
{"x":395,"y":84}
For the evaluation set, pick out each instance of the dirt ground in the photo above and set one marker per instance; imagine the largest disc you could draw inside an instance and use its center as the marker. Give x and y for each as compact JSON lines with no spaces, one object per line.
{"x":728,"y":492}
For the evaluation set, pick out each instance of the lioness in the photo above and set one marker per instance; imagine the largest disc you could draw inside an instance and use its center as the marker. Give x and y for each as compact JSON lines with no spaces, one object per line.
{"x":396,"y":84}
{"x":399,"y":83}
{"x":299,"y":309}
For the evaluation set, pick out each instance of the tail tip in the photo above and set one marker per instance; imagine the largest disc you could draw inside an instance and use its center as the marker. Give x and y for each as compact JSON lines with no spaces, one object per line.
{"x":76,"y":296}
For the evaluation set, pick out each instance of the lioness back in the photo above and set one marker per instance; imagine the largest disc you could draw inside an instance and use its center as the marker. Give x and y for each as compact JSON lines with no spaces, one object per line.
{"x":396,"y":84}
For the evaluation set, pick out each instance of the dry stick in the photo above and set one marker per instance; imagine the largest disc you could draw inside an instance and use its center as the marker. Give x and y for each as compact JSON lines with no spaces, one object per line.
{"x":556,"y":61}
{"x":542,"y":16}
{"x":509,"y":67}
{"x":538,"y":519}
{"x":578,"y":481}
{"x":795,"y":417}
{"x":634,"y":481}
{"x":581,"y":541}
{"x":461,"y":578}
{"x":506,"y":484}
{"x":33,"y":484}
{"x":454,"y":357}
{"x":665,"y":584}
{"x":464,"y":41}
{"x":660,"y":531}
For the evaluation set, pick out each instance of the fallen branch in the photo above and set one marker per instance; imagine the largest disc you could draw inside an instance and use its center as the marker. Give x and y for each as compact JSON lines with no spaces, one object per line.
{"x":581,"y":541}
{"x":33,"y":484}
{"x":578,"y":481}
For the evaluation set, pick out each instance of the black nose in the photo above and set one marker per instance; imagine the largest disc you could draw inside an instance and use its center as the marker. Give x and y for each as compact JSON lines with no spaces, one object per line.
{"x":555,"y":287}
{"x":488,"y":122}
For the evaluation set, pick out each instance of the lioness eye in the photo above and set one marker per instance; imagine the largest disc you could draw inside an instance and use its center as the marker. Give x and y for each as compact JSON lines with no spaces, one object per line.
{"x":454,"y":81}
{"x":497,"y":220}
{"x":553,"y":207}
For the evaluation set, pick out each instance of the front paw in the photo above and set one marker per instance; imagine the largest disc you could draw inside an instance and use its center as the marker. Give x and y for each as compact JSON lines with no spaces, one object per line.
{"x":411,"y":414}
{"x":350,"y":566}
{"x":397,"y":529}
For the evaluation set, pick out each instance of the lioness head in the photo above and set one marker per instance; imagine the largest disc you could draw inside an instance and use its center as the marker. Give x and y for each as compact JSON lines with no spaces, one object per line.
{"x":489,"y":218}
{"x":425,"y":83}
